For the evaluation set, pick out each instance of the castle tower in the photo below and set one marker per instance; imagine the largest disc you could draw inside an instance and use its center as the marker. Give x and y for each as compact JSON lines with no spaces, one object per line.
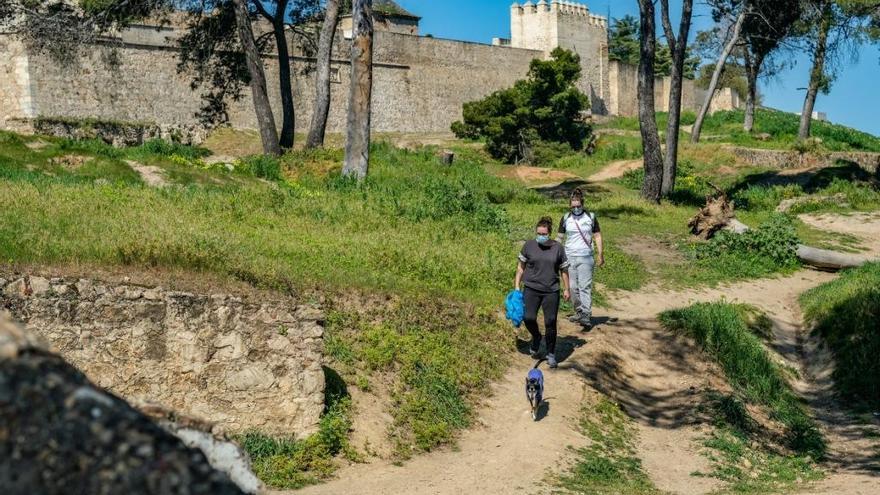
{"x":546,"y":25}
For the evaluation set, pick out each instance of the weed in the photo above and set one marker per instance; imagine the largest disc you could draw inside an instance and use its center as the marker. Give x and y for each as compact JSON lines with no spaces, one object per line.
{"x":770,"y":248}
{"x":610,"y":464}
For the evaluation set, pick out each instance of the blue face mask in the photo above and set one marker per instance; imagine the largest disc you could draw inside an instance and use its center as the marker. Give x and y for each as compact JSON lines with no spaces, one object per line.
{"x":577,"y":211}
{"x":542,"y":239}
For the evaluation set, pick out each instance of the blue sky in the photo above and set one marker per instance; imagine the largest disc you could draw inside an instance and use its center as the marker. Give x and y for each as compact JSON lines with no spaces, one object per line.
{"x":854,"y":99}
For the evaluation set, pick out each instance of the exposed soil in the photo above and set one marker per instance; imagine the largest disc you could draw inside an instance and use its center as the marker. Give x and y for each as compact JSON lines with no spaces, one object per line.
{"x":152,"y":175}
{"x":615,"y":169}
{"x":536,"y":175}
{"x":656,"y":378}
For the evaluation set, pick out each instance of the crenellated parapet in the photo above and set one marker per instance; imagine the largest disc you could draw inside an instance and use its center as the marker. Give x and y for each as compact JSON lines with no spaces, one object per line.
{"x":557,"y":7}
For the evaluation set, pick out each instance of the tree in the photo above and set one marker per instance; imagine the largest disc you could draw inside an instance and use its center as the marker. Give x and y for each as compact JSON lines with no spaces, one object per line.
{"x":211,"y":50}
{"x":678,"y":48}
{"x":768,"y":23}
{"x":357,"y":145}
{"x":265,"y":119}
{"x":721,"y":11}
{"x":653,"y":159}
{"x":542,"y":110}
{"x":831,"y":27}
{"x":623,"y":40}
{"x":623,"y":47}
{"x":322,"y":77}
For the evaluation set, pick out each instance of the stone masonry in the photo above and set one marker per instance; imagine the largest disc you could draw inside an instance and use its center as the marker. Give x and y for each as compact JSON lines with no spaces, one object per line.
{"x":420,"y":82}
{"x":237,"y":364}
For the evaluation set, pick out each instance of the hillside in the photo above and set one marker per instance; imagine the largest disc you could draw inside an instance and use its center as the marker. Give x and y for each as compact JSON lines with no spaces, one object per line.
{"x":411,"y":267}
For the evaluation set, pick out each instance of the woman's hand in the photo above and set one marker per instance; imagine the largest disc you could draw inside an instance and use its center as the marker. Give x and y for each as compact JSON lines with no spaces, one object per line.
{"x":601,"y":260}
{"x":566,"y":294}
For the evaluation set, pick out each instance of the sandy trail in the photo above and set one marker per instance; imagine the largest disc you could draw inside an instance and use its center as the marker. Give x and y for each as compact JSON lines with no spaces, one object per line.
{"x":654,"y":376}
{"x":615,"y":169}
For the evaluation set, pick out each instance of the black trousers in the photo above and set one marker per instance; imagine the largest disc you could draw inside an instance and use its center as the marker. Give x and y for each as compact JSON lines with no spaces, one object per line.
{"x":549,"y":303}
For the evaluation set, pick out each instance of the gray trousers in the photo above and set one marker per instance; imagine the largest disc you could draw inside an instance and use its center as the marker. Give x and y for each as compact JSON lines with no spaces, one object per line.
{"x":580,"y":275}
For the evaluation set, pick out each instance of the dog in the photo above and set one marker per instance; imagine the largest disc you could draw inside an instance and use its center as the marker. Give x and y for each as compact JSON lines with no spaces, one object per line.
{"x":535,"y":390}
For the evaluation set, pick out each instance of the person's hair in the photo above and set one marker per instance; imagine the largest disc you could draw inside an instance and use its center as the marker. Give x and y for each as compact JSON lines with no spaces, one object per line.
{"x":546,"y":222}
{"x":578,"y":195}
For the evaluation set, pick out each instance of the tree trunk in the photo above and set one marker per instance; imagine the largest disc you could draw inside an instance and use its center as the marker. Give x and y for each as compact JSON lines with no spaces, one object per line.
{"x":288,"y":123}
{"x":817,"y":74}
{"x":265,"y":119}
{"x":357,"y":145}
{"x":647,"y":121}
{"x":713,"y":84}
{"x":322,"y":78}
{"x":753,"y":68}
{"x":678,"y":49}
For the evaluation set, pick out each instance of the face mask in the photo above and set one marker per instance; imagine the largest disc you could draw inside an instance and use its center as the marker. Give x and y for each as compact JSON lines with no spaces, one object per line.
{"x":577,"y":210}
{"x":542,"y":238}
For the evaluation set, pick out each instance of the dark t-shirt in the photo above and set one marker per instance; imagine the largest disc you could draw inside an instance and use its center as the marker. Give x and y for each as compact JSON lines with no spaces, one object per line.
{"x":542,"y":265}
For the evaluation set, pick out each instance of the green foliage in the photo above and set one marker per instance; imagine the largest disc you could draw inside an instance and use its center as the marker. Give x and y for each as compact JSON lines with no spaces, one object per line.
{"x":290,"y":463}
{"x":727,"y":333}
{"x":770,"y":248}
{"x":733,"y":77}
{"x":262,"y":166}
{"x":846,"y":312}
{"x":624,"y":46}
{"x":610,"y":465}
{"x":437,"y":366}
{"x":783,"y":129}
{"x":546,"y":107}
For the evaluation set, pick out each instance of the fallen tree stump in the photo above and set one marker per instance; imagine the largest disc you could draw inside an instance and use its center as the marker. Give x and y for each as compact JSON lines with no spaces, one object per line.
{"x":446,"y":157}
{"x":719,"y":214}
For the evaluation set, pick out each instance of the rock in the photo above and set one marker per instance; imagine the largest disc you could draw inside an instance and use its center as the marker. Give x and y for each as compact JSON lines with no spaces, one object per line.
{"x":18,"y":288}
{"x":61,"y":434}
{"x":763,"y":136}
{"x":39,"y":286}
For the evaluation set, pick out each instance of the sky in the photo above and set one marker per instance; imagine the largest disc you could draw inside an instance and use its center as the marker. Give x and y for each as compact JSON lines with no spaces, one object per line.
{"x":854,"y":99}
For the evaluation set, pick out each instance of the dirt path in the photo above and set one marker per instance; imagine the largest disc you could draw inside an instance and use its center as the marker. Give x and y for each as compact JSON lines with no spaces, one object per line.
{"x":152,"y":175}
{"x":615,"y":169}
{"x":654,"y":376}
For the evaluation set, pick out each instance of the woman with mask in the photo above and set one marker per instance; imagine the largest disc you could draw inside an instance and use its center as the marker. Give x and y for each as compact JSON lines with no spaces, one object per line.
{"x":541,"y":262}
{"x":580,"y":229}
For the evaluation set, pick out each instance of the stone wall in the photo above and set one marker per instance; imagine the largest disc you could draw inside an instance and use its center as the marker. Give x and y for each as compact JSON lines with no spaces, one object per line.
{"x":623,"y":93}
{"x":16,"y":104}
{"x":237,"y":364}
{"x":870,"y":162}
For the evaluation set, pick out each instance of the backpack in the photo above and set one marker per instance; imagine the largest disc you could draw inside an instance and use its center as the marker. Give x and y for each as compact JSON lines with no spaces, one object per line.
{"x":516,"y":307}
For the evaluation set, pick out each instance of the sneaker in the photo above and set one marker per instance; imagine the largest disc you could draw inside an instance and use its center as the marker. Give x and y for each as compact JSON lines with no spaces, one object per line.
{"x":551,"y":361}
{"x":586,"y":321}
{"x":534,"y":354}
{"x":575,"y":318}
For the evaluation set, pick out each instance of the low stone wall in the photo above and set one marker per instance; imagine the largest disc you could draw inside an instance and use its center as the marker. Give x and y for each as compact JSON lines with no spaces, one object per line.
{"x":237,"y":364}
{"x":794,"y":159}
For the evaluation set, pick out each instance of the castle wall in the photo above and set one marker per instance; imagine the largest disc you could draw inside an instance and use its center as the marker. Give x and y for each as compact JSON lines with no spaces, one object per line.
{"x":16,"y":103}
{"x":420,"y":84}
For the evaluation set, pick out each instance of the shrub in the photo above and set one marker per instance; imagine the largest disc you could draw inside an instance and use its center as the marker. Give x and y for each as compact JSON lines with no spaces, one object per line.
{"x":769,"y":248}
{"x":165,"y":148}
{"x":546,"y":107}
{"x":845,"y":313}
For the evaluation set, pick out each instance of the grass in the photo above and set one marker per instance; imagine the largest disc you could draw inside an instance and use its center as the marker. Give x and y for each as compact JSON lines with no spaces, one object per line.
{"x":610,"y":464}
{"x":783,"y":130}
{"x":730,"y":334}
{"x":440,"y":353}
{"x":291,"y":463}
{"x":845,"y":312}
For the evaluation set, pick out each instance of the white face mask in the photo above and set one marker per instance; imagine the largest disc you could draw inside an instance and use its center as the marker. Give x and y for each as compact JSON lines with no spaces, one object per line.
{"x":577,"y":210}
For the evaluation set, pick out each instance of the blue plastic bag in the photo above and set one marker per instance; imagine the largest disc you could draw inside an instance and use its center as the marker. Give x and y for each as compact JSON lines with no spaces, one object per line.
{"x":515,"y":307}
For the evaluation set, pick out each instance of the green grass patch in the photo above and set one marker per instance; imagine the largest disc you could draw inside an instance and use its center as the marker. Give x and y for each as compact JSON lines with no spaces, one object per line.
{"x":729,"y":335}
{"x":439,"y":355}
{"x":610,"y":464}
{"x":783,"y":130}
{"x":291,"y":463}
{"x":845,"y":313}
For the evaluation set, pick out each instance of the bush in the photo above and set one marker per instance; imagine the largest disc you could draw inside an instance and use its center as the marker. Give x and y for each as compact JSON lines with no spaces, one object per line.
{"x":545,"y":108}
{"x":845,"y":313}
{"x":770,"y":248}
